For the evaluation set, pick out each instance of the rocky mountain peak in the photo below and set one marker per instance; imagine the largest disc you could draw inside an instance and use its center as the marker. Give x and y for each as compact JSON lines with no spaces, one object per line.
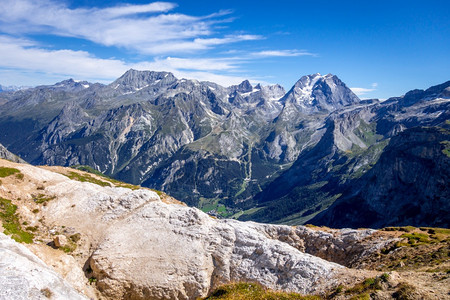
{"x":134,"y":80}
{"x":273,"y":92}
{"x":316,"y":92}
{"x":71,"y":85}
{"x":244,"y":87}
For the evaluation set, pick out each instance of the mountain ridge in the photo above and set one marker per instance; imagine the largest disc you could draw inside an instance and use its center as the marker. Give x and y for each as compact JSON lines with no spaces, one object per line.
{"x":217,"y":148}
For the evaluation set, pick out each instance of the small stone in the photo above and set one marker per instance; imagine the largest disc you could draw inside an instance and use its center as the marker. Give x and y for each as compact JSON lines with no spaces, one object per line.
{"x":60,"y":241}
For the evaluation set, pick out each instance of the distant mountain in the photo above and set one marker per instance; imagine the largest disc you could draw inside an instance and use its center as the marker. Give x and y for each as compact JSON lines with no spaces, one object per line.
{"x":12,"y":88}
{"x":254,"y":152}
{"x":407,"y":186}
{"x":354,"y":141}
{"x":314,"y":93}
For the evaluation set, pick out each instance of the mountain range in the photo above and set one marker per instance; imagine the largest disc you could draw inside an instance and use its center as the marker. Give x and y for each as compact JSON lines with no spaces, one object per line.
{"x":316,"y":153}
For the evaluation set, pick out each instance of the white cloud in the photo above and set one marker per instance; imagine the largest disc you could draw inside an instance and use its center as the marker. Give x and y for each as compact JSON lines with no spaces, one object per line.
{"x":151,"y":29}
{"x":124,"y":10}
{"x":21,"y":54}
{"x":24,"y":55}
{"x":282,"y":53}
{"x":363,"y":91}
{"x":148,"y":28}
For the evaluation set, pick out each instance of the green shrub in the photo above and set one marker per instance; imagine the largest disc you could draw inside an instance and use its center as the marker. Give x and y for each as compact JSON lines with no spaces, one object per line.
{"x":92,"y":280}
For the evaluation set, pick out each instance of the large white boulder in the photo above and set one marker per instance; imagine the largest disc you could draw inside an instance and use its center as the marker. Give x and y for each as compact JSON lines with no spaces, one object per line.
{"x":24,"y":276}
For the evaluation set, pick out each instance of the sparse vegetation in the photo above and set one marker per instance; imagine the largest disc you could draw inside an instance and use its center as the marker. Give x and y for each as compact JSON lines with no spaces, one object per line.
{"x":11,"y":222}
{"x":254,"y":291}
{"x":32,"y":228}
{"x":368,"y":285}
{"x":42,"y":199}
{"x":86,"y":178}
{"x":404,"y":291}
{"x":419,"y":247}
{"x":361,"y":290}
{"x":47,"y":292}
{"x":5,"y":172}
{"x":118,"y":183}
{"x":404,"y":228}
{"x":446,"y":149}
{"x":75,"y":237}
{"x":384,"y":277}
{"x":68,"y":248}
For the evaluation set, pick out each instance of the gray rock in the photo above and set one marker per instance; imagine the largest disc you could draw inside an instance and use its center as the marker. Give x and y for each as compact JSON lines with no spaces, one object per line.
{"x":24,"y":276}
{"x":5,"y":154}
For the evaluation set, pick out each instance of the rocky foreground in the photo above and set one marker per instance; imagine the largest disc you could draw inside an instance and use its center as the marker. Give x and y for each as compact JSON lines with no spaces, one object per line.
{"x":86,"y":236}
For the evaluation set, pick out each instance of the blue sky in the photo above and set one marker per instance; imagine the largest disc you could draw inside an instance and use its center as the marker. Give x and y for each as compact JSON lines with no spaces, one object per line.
{"x":378,"y":48}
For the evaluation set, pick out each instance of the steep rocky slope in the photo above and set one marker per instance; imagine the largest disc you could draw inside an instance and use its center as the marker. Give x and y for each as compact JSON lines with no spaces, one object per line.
{"x":354,"y":140}
{"x":409,"y":185}
{"x":5,"y":154}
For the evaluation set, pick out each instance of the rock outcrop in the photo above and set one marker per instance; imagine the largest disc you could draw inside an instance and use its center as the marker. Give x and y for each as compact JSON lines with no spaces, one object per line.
{"x":24,"y":276}
{"x":5,"y":154}
{"x":133,"y":245}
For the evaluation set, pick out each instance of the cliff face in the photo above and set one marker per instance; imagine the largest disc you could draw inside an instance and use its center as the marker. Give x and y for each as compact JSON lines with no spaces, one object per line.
{"x":5,"y":154}
{"x":407,"y":186}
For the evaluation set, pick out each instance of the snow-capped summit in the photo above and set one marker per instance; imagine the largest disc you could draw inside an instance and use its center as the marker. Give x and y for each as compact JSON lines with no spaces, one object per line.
{"x":316,"y":92}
